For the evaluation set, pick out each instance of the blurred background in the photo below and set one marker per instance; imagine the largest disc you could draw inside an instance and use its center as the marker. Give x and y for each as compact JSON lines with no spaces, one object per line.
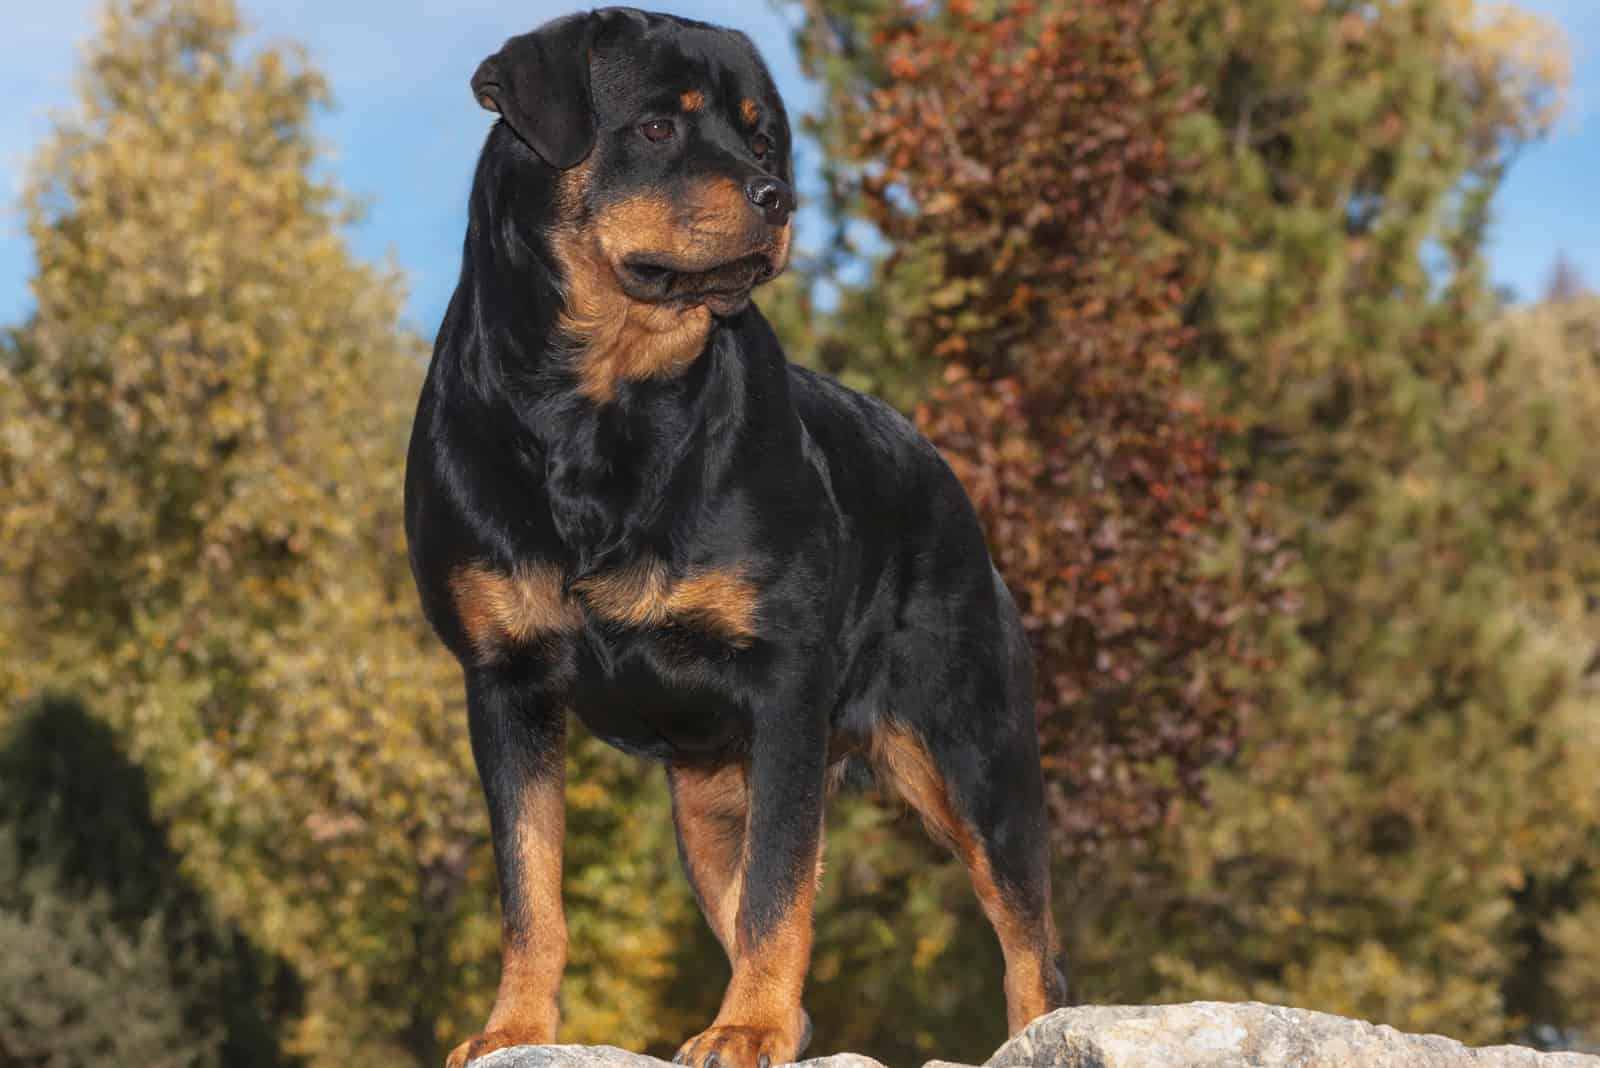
{"x":1260,"y":332}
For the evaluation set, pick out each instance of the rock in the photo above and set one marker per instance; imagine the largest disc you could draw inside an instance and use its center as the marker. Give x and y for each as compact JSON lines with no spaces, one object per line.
{"x":612,"y":1057}
{"x":1207,"y":1034}
{"x":1202,"y":1034}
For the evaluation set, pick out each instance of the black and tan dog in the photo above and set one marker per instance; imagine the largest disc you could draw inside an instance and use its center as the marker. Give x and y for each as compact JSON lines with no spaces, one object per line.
{"x":622,"y":502}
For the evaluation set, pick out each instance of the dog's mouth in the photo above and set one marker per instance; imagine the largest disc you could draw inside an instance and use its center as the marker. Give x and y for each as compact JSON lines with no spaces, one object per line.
{"x":724,"y":288}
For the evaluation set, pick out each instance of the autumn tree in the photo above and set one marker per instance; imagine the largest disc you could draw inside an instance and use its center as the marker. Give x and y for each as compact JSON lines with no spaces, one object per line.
{"x":202,"y":433}
{"x":1402,"y":833}
{"x":1030,"y":271}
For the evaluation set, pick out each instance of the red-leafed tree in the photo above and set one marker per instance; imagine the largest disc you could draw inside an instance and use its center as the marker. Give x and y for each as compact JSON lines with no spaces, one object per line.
{"x":1017,"y":165}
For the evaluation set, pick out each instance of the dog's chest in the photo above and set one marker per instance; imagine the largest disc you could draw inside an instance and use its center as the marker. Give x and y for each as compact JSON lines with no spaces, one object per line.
{"x":501,"y":611}
{"x":636,"y":652}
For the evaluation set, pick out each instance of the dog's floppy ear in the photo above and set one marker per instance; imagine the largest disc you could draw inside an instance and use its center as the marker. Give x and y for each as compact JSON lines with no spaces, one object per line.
{"x":539,"y":84}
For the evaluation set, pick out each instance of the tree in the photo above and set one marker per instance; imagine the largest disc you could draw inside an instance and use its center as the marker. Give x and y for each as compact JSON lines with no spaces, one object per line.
{"x":1565,"y":281}
{"x":1031,"y":272}
{"x":1374,"y":847}
{"x":1366,"y":851}
{"x":76,"y":991}
{"x":108,"y":949}
{"x":1037,"y":273}
{"x":203,"y":437}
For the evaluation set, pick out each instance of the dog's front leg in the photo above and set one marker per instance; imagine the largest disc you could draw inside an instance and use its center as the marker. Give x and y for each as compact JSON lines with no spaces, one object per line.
{"x":518,"y":744}
{"x":761,"y":1022}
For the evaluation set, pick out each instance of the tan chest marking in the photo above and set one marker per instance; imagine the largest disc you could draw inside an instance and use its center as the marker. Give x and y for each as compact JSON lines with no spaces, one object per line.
{"x":500,"y":610}
{"x":719,"y":600}
{"x":497,"y":609}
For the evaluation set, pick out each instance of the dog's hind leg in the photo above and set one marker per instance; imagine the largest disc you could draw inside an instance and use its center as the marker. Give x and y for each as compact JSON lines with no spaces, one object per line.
{"x":984,"y":798}
{"x":710,"y":810}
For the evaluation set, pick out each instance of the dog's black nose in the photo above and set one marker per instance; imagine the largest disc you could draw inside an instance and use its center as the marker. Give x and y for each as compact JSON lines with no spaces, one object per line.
{"x":771,"y":196}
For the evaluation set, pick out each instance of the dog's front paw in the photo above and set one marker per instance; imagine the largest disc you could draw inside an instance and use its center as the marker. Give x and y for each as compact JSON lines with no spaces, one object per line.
{"x":746,"y":1046}
{"x":489,"y":1041}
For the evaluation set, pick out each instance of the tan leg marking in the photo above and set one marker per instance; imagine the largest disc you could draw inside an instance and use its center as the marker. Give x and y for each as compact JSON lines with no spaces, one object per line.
{"x":905,"y":760}
{"x":533,"y":954}
{"x":761,"y":1014}
{"x":711,"y":809}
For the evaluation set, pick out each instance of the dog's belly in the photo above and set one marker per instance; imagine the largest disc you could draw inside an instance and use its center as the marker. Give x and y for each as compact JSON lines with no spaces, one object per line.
{"x":665,"y":704}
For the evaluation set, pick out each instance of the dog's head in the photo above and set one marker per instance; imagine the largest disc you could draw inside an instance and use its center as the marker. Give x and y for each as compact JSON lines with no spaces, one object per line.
{"x":674,"y":153}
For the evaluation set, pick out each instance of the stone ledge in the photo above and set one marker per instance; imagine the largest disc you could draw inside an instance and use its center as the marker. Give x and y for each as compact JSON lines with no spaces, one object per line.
{"x":1214,"y":1034}
{"x":612,"y":1057}
{"x":1201,"y":1034}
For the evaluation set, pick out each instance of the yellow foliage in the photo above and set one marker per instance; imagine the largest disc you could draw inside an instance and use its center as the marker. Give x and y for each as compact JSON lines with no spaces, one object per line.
{"x":203,"y":440}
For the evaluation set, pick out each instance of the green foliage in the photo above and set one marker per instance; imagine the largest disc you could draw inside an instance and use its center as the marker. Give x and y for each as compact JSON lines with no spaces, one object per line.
{"x":78,"y":829}
{"x":76,"y":990}
{"x":1405,"y":832}
{"x":202,"y":426}
{"x":1425,"y":750}
{"x":1272,"y":277}
{"x":202,"y":433}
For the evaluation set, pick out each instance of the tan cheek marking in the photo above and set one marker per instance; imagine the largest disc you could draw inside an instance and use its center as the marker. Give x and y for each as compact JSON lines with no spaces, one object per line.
{"x":640,"y":222}
{"x":749,"y":111}
{"x":571,"y":190}
{"x":692,"y":100}
{"x":642,"y":595}
{"x":911,"y":769}
{"x":497,"y":609}
{"x":621,"y":339}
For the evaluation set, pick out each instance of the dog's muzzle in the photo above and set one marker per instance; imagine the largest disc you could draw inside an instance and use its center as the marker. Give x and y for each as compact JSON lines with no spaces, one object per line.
{"x":724,"y":288}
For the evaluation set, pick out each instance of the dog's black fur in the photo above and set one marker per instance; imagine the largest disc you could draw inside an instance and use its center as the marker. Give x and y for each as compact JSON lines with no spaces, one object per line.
{"x":622,"y":501}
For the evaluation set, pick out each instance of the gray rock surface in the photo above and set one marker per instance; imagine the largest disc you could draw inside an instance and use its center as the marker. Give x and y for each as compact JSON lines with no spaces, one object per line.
{"x":612,"y":1057}
{"x":1209,"y":1034}
{"x":1202,"y":1034}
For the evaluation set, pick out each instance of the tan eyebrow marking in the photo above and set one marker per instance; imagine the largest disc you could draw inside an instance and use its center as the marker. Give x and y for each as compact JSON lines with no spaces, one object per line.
{"x":692,"y":100}
{"x":749,"y":111}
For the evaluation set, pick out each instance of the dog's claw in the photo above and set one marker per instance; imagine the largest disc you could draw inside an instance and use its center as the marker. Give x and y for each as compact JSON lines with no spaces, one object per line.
{"x":712,"y":1060}
{"x":764,"y":1062}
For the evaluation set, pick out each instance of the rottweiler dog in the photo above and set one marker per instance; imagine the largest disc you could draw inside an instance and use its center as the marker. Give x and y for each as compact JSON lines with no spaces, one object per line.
{"x":624,"y":503}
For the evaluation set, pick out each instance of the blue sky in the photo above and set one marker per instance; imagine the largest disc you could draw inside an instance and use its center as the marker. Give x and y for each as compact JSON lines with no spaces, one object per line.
{"x":405,"y":130}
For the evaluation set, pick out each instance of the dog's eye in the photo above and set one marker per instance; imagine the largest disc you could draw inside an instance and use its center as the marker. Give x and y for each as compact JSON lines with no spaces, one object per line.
{"x":658,"y":131}
{"x":761,"y":145}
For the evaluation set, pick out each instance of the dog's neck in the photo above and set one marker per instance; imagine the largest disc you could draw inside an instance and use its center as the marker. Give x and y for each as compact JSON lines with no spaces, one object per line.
{"x":615,"y":414}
